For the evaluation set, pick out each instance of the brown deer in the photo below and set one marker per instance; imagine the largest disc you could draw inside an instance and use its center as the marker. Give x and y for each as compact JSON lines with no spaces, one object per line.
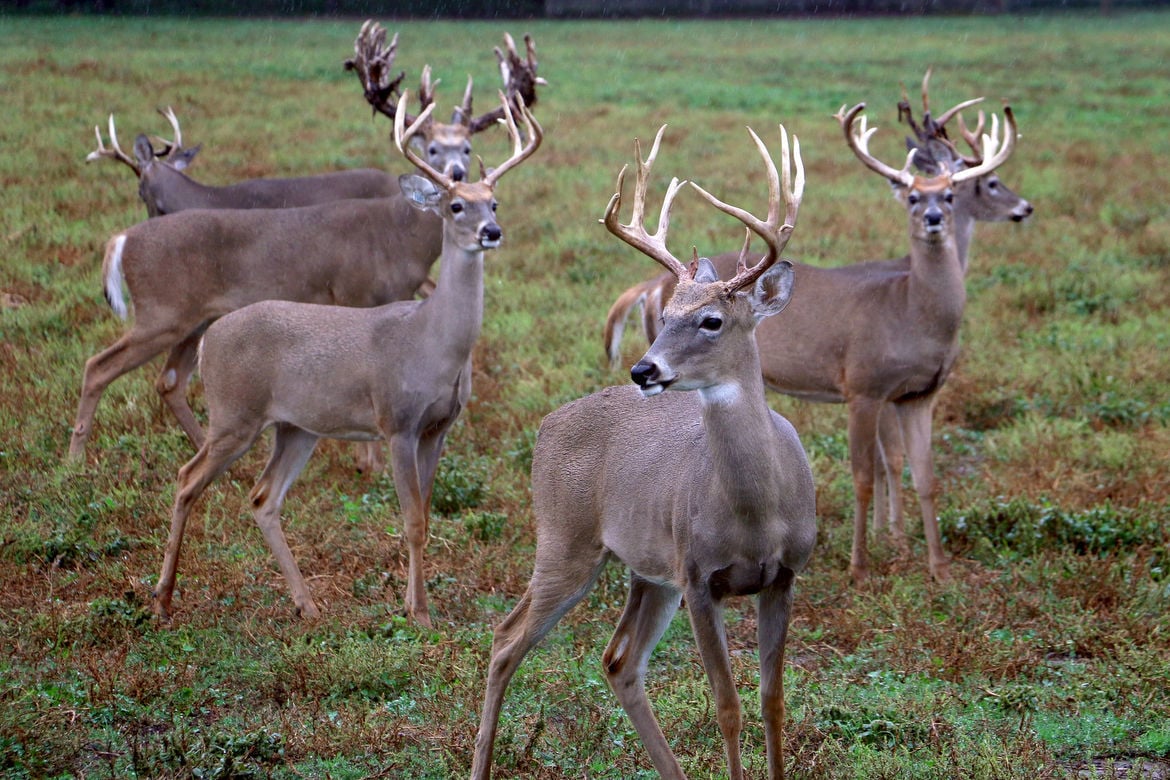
{"x":981,"y":198}
{"x":704,"y":495}
{"x":400,"y":372}
{"x":166,"y":189}
{"x":445,"y":147}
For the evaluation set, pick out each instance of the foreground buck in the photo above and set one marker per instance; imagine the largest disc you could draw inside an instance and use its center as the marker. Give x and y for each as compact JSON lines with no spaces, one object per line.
{"x":978,"y":196}
{"x":445,"y":147}
{"x":400,"y":372}
{"x":165,"y":189}
{"x":704,"y":495}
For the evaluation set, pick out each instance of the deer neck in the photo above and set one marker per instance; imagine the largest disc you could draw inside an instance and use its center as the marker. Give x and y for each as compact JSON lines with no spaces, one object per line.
{"x":453,"y":313}
{"x":964,"y":232}
{"x":936,"y":279}
{"x":742,"y":441}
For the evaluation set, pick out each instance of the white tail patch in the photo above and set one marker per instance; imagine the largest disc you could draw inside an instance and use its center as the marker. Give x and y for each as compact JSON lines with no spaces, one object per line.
{"x":113,"y":274}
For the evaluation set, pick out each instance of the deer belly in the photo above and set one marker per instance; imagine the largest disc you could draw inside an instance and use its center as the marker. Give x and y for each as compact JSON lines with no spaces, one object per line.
{"x":747,"y":578}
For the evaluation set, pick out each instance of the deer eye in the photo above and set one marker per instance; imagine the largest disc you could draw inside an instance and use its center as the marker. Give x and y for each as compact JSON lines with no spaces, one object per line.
{"x":992,"y":184}
{"x":949,"y":197}
{"x":913,"y":199}
{"x":467,"y":149}
{"x":495,"y":206}
{"x":456,"y":207}
{"x":433,"y":150}
{"x":712,"y":324}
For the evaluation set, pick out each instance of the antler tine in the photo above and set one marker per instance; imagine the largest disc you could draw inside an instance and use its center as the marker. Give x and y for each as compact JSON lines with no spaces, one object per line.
{"x":114,"y":153}
{"x":994,"y":153}
{"x":634,"y":234}
{"x":972,"y":138}
{"x":462,"y":115}
{"x":859,"y":143}
{"x":426,"y":88}
{"x":774,"y":233}
{"x":949,"y":113}
{"x":168,"y":145}
{"x":520,"y":151}
{"x":403,"y":134}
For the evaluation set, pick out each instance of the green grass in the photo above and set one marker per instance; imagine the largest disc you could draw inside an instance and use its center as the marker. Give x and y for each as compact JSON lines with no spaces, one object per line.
{"x":1051,"y":650}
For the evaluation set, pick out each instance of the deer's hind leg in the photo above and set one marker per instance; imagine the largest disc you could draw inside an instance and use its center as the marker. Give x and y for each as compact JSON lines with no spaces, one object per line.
{"x":173,"y":381}
{"x":291,"y":448}
{"x":213,"y":458}
{"x":648,"y":612}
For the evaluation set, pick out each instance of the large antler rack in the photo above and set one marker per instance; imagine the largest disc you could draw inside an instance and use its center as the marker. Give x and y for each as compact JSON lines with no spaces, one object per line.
{"x":653,"y":245}
{"x":521,"y":149}
{"x":774,"y":232}
{"x":113,"y":151}
{"x":993,"y":153}
{"x":373,"y":62}
{"x":933,"y":132}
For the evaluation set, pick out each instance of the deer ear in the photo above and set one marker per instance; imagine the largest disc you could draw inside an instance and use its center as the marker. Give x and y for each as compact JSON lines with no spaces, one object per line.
{"x":184,"y":157}
{"x":706,"y":273}
{"x":143,"y":151}
{"x":420,"y":192}
{"x":772,"y":290}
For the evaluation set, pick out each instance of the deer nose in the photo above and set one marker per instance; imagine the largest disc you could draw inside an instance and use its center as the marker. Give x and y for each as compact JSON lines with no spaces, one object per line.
{"x":1023,"y":211}
{"x":457,"y":172}
{"x":643,"y":373}
{"x":933,"y":217}
{"x":491,"y":233}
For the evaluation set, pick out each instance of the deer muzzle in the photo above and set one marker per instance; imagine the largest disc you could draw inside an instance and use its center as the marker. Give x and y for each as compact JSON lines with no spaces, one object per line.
{"x":649,"y":377}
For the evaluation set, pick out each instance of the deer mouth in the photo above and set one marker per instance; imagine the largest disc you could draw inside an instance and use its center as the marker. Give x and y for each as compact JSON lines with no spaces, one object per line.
{"x":489,"y":243}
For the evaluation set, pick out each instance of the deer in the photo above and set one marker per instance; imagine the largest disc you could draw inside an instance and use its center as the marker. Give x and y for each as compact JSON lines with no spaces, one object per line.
{"x":445,"y":147}
{"x":399,"y":372}
{"x":688,"y":478}
{"x":980,"y":199}
{"x":164,"y":187}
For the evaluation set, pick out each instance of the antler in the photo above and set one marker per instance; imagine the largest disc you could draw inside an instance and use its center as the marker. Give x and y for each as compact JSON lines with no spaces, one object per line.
{"x":993,"y":154}
{"x":859,"y":143}
{"x":972,"y":139}
{"x":372,"y":62}
{"x":520,"y":151}
{"x":520,"y":82}
{"x":114,"y":153}
{"x":774,"y":233}
{"x":933,"y":131}
{"x":177,"y":144}
{"x":634,"y":234}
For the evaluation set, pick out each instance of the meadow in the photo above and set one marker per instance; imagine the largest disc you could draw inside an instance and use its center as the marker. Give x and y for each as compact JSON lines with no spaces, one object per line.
{"x":1047,"y":657}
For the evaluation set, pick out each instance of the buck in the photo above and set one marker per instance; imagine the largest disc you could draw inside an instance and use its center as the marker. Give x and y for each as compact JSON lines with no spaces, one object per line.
{"x":704,"y":495}
{"x":445,"y":147}
{"x":980,"y":198}
{"x":399,"y":372}
{"x":165,"y":189}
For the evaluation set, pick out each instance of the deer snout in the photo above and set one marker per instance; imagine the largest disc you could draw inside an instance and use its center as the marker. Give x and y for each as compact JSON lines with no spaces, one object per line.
{"x":933,"y":219}
{"x":1022,"y":211}
{"x":457,"y":172}
{"x":490,"y":235}
{"x":648,"y":376}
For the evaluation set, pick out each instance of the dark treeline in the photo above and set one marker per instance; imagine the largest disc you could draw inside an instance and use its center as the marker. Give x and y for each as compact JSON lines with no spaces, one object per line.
{"x":391,"y":9}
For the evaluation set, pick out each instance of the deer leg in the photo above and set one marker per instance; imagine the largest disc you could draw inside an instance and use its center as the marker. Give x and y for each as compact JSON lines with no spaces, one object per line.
{"x":173,"y":381}
{"x":648,"y":612}
{"x":213,"y":459}
{"x":556,"y":586}
{"x":123,"y":356}
{"x":711,"y":638}
{"x":404,"y":458}
{"x":888,"y":478}
{"x":369,"y":457}
{"x":917,"y":424}
{"x":863,"y":420}
{"x":291,"y":448}
{"x":775,"y":608}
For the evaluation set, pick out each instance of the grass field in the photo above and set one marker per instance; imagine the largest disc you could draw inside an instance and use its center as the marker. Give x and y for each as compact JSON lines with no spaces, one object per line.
{"x":1048,"y":657}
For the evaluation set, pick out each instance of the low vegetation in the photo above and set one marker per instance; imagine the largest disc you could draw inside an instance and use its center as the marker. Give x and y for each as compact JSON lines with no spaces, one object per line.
{"x":1047,"y":657}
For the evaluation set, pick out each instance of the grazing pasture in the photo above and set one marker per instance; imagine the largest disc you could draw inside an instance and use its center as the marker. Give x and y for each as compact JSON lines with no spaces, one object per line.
{"x":1047,"y":656}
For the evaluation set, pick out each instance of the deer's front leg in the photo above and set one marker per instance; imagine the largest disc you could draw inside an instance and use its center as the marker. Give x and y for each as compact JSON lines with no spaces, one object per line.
{"x":916,"y":418}
{"x":775,"y":609}
{"x":404,"y":460}
{"x":711,"y":638}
